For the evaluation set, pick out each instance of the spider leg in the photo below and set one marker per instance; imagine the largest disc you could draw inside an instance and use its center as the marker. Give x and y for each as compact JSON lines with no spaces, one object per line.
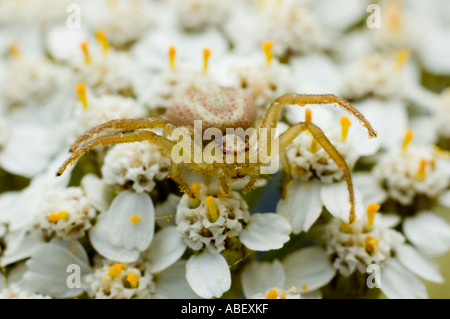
{"x":250,"y":184}
{"x":137,"y":136}
{"x":287,"y":175}
{"x":125,"y":124}
{"x":288,"y":136}
{"x":174,"y":174}
{"x":271,"y":118}
{"x":224,"y":183}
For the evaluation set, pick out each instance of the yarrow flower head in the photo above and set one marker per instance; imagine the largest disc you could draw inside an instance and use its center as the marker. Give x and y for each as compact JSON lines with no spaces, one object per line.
{"x":317,"y":181}
{"x":137,"y":165}
{"x":106,"y":72}
{"x":111,"y":280}
{"x":372,"y":241}
{"x":31,"y":80}
{"x":354,"y":247}
{"x":412,"y":171}
{"x":67,"y":213}
{"x":93,"y":110}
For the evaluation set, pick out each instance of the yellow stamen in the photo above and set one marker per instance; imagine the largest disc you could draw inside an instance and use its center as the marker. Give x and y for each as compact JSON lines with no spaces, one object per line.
{"x":371,"y":244}
{"x":304,"y":287}
{"x":421,"y":170}
{"x":101,"y":37}
{"x":116,"y":270}
{"x":81,"y":90}
{"x":272,"y":294}
{"x":394,"y":16}
{"x":371,"y":210}
{"x":135,"y":219}
{"x":402,"y":57}
{"x":15,"y":51}
{"x":345,"y":125}
{"x":407,"y":140}
{"x":267,"y":47}
{"x":172,"y":53}
{"x":206,"y":54}
{"x":308,"y":115}
{"x":84,"y":47}
{"x":133,"y":279}
{"x":55,"y":217}
{"x":212,"y":208}
{"x":314,"y":146}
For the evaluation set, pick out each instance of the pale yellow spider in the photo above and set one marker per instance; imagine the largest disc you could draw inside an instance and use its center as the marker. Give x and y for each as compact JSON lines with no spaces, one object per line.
{"x":221,"y":108}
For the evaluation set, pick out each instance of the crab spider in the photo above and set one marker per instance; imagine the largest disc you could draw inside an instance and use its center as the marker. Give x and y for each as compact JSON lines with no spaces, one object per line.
{"x":220,"y":108}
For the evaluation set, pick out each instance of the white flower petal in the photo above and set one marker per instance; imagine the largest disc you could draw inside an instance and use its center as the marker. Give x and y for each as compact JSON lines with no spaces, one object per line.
{"x":444,"y":199}
{"x":99,"y":237}
{"x":208,"y":274}
{"x":47,"y":269}
{"x":96,"y":191}
{"x":165,"y":212}
{"x":171,"y":283}
{"x":303,"y":205}
{"x":258,"y":277}
{"x":428,"y":232}
{"x":20,"y":246}
{"x":388,"y":118}
{"x":362,"y":144}
{"x":308,"y":268}
{"x":28,"y":150}
{"x":336,"y":199}
{"x":370,"y":188}
{"x":265,"y":232}
{"x":418,"y":263}
{"x":123,"y":232}
{"x":397,"y":282}
{"x":166,"y":248}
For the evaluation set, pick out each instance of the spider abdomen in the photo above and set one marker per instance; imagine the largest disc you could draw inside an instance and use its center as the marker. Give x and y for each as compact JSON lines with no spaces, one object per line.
{"x":218,"y":107}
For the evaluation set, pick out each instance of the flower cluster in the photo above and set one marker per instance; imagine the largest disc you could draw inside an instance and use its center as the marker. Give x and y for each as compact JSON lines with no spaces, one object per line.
{"x":127,"y":221}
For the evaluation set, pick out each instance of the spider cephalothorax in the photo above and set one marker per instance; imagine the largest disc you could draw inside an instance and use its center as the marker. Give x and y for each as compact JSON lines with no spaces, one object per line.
{"x":229,"y":115}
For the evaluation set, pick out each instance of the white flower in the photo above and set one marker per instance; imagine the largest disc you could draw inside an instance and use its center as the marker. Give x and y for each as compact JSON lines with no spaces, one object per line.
{"x":373,"y":75}
{"x":209,"y":222}
{"x":65,"y":213}
{"x":126,"y":228}
{"x":171,"y":283}
{"x":354,"y":247}
{"x":372,"y":240}
{"x":317,"y":180}
{"x":415,"y":170}
{"x":47,"y":269}
{"x":15,"y":291}
{"x":111,"y":280}
{"x":428,"y":232}
{"x":31,"y":80}
{"x":299,"y":275}
{"x":194,"y":15}
{"x":112,"y":73}
{"x":138,"y":165}
{"x":292,"y":27}
{"x":124,"y":22}
{"x":265,"y":82}
{"x":103,"y":109}
{"x":19,"y":208}
{"x":157,"y":274}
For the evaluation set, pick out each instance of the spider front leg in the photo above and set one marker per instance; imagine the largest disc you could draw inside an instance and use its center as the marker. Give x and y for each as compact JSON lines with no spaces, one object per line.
{"x":174,"y":174}
{"x":272,"y":115}
{"x":287,"y":137}
{"x":138,"y":136}
{"x":125,"y":124}
{"x":287,"y":175}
